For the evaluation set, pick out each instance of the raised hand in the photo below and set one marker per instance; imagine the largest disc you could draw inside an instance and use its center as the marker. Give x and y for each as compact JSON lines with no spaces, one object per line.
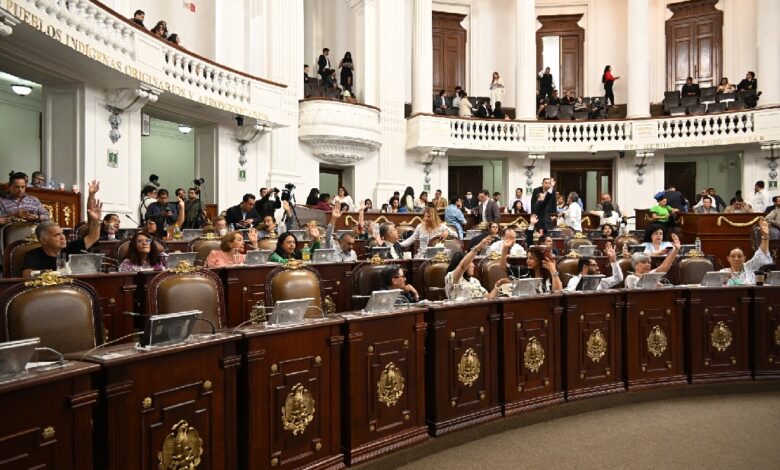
{"x":252,"y":234}
{"x":534,"y":219}
{"x":362,"y":206}
{"x":94,"y":186}
{"x":336,"y":213}
{"x":95,"y":212}
{"x":314,"y":232}
{"x":676,"y":242}
{"x":609,"y":250}
{"x":484,"y":243}
{"x":763,"y":225}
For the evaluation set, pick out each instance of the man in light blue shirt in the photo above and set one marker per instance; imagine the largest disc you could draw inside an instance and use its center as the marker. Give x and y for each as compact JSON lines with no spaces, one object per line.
{"x":453,"y":214}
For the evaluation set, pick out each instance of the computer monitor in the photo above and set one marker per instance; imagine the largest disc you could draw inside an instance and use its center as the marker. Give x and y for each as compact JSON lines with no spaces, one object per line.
{"x":432,"y":251}
{"x":525,"y":287}
{"x":191,"y":233}
{"x":382,"y":300}
{"x":286,"y":312}
{"x":174,"y":259}
{"x":773,"y":279}
{"x":382,"y":251}
{"x":257,"y":257}
{"x":650,"y":280}
{"x":14,"y":356}
{"x":85,"y":263}
{"x":636,"y":248}
{"x":168,"y":329}
{"x":715,"y":279}
{"x":591,"y":281}
{"x":324,"y":255}
{"x":586,"y":250}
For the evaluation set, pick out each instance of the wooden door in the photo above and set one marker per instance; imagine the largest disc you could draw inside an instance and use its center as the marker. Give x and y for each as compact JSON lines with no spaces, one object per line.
{"x":571,"y":55}
{"x":449,"y":52}
{"x":694,"y":43}
{"x":570,"y":64}
{"x":681,"y":175}
{"x":463,"y":179}
{"x":572,"y":175}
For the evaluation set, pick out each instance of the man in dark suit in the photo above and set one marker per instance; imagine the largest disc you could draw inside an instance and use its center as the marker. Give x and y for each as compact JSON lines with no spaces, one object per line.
{"x":676,"y":200}
{"x":323,"y":64}
{"x":544,"y":207}
{"x":690,"y":88}
{"x":243,"y":215}
{"x":389,"y":235}
{"x":439,"y":103}
{"x":488,"y":210}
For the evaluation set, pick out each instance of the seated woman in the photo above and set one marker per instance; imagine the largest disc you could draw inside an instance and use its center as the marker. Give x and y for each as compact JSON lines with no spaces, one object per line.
{"x":663,"y":214}
{"x":460,"y":275}
{"x":142,"y":253}
{"x":605,"y":231}
{"x":539,"y":264}
{"x":744,"y":273}
{"x":654,"y":241}
{"x":492,"y":231}
{"x":429,"y":232}
{"x":517,"y":207}
{"x":393,"y":277}
{"x":229,"y":252}
{"x":150,"y":229}
{"x":286,"y":246}
{"x":641,"y":263}
{"x":607,"y":215}
{"x":268,"y":228}
{"x":725,"y":86}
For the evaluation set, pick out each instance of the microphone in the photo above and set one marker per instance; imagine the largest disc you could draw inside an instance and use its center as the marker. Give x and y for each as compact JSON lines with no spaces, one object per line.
{"x":213,"y":329}
{"x":137,"y":333}
{"x":133,"y":220}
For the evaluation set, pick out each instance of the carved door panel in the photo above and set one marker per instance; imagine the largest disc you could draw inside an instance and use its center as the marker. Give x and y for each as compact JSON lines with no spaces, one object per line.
{"x":680,"y":60}
{"x":571,"y":38}
{"x":766,"y":319}
{"x":570,"y":65}
{"x":449,"y":52}
{"x":694,"y":43}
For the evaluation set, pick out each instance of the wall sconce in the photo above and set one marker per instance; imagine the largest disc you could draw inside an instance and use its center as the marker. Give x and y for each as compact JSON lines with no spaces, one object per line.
{"x":185,"y":129}
{"x":640,"y":167}
{"x":529,"y":170}
{"x":21,"y":89}
{"x":772,"y":160}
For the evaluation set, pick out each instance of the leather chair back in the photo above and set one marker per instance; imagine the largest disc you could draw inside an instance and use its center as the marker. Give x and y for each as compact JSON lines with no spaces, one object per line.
{"x":625,"y":268}
{"x":82,"y":229}
{"x":203,"y":247}
{"x":294,"y":281}
{"x":692,"y":270}
{"x":65,"y":315}
{"x":433,"y":273}
{"x":189,"y":288}
{"x":453,"y":245}
{"x":404,"y":231}
{"x":568,"y":268}
{"x":16,"y":231}
{"x":366,"y":278}
{"x":625,"y":240}
{"x":14,"y":257}
{"x":267,"y":244}
{"x":573,"y":243}
{"x":490,"y":272}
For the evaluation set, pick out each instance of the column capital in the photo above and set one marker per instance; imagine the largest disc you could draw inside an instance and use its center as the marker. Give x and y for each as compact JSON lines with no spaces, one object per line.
{"x":132,"y":99}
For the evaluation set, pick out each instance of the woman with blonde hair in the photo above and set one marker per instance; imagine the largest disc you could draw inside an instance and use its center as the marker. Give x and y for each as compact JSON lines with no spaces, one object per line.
{"x":496,"y":89}
{"x":229,"y":252}
{"x":429,"y":232}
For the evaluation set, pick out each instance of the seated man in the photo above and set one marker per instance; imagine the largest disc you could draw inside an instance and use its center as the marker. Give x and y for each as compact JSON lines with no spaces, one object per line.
{"x":54,"y":243}
{"x":243,"y":215}
{"x":393,"y":277}
{"x":773,"y":218}
{"x":389,"y":236}
{"x":738,"y":207}
{"x":690,"y":88}
{"x":344,"y":248}
{"x":165,"y":213}
{"x":589,"y":266}
{"x":109,"y":227}
{"x":453,"y":214}
{"x":509,"y":237}
{"x":19,"y":205}
{"x":641,"y":263}
{"x":706,"y":206}
{"x":744,"y":273}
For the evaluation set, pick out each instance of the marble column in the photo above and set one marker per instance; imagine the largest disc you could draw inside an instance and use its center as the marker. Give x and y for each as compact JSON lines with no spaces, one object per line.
{"x":525,"y":59}
{"x":768,"y":52}
{"x":638,"y":60}
{"x":366,"y":54}
{"x":422,"y":56}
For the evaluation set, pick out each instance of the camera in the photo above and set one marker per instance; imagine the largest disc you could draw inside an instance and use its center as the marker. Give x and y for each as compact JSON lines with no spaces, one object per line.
{"x":289,"y":186}
{"x":198,"y":182}
{"x":275,"y":190}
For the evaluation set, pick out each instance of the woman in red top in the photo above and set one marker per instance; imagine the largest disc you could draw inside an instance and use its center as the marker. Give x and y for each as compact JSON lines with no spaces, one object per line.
{"x":608,"y":80}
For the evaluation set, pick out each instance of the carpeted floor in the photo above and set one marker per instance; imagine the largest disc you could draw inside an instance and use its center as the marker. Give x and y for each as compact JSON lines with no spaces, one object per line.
{"x":737,"y":430}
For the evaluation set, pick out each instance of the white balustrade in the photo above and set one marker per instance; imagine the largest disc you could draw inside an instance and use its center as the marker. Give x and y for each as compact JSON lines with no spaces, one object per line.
{"x":478,"y":130}
{"x":724,"y":124}
{"x":587,"y":132}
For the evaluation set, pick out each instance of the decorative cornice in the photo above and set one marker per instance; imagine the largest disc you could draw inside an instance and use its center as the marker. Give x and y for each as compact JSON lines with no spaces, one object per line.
{"x":7,"y":22}
{"x":340,"y":150}
{"x":132,"y":99}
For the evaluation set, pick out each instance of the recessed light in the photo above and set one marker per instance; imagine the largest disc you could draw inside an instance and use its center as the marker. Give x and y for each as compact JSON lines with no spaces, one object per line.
{"x":21,"y":90}
{"x":185,"y":129}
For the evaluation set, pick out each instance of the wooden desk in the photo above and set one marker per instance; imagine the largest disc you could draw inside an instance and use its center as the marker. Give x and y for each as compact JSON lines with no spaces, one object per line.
{"x":592,"y":343}
{"x":150,"y":396}
{"x":765,"y":333}
{"x":654,"y":352}
{"x":47,"y":418}
{"x":290,"y":397}
{"x":384,"y":383}
{"x":717,"y":333}
{"x":461,"y":364}
{"x":530,"y":344}
{"x":117,"y":293}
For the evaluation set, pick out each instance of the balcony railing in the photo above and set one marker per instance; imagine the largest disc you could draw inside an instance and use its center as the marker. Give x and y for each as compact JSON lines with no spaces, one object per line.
{"x":755,"y":125}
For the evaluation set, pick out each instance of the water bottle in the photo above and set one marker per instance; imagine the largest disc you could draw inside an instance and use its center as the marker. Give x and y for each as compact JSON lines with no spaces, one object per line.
{"x":697,"y":245}
{"x":232,"y":227}
{"x":305,"y":252}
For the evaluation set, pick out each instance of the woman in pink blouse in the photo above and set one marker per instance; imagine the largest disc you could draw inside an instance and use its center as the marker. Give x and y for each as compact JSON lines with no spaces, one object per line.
{"x":229,"y":253}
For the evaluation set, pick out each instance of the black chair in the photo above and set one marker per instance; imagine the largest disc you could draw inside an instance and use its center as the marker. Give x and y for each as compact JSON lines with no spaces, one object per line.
{"x":737,"y":105}
{"x":708,"y":95}
{"x":727,"y":97}
{"x":473,"y":101}
{"x":580,"y":115}
{"x":671,"y":102}
{"x":697,"y":109}
{"x":551,"y":111}
{"x":672,"y":95}
{"x":451,"y":112}
{"x":689,"y":101}
{"x":566,"y":112}
{"x":716,"y":108}
{"x":677,"y":111}
{"x":743,"y":94}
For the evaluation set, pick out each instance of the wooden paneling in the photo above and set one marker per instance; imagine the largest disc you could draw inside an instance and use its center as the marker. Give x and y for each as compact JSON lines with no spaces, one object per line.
{"x":384,"y":383}
{"x":530,"y":343}
{"x":694,"y":43}
{"x":653,"y":352}
{"x":463,"y":179}
{"x":462,"y":368}
{"x":449,"y":52}
{"x":766,"y":333}
{"x":290,"y":397}
{"x":681,"y":175}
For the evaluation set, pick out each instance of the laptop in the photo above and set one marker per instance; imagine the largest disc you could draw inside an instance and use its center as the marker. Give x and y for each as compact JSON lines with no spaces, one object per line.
{"x":685,"y":249}
{"x":586,"y":250}
{"x":85,"y":263}
{"x":773,"y":279}
{"x":524,"y":287}
{"x":14,"y":356}
{"x":191,"y":233}
{"x":174,"y":259}
{"x":591,"y":281}
{"x":168,"y":329}
{"x":382,"y":301}
{"x":324,"y":255}
{"x":257,"y":257}
{"x":636,"y":248}
{"x":432,"y":251}
{"x":287,"y":312}
{"x":382,"y":251}
{"x":650,"y":280}
{"x":715,"y":279}
{"x":299,"y":234}
{"x":471,"y":234}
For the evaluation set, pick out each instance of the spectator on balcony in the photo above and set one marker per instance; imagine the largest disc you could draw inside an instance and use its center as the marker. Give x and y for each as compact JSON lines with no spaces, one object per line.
{"x":725,"y":86}
{"x":305,"y":74}
{"x":498,"y":112}
{"x":19,"y":204}
{"x":347,"y":96}
{"x":706,"y":206}
{"x":545,"y":84}
{"x":580,"y":105}
{"x":174,"y":38}
{"x":739,"y":206}
{"x":330,"y":81}
{"x":440,"y":103}
{"x":690,"y":88}
{"x":464,"y":105}
{"x":346,"y":66}
{"x":395,"y":204}
{"x":567,"y":98}
{"x":323,"y":65}
{"x":496,"y":88}
{"x":760,"y":199}
{"x":483,"y":109}
{"x":343,"y":197}
{"x":323,"y":202}
{"x":456,"y":97}
{"x":160,"y":30}
{"x":749,"y":82}
{"x":138,"y":18}
{"x":609,"y":81}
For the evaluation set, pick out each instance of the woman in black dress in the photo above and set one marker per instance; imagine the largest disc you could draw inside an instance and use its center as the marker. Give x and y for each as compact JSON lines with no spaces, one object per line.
{"x":346,"y":67}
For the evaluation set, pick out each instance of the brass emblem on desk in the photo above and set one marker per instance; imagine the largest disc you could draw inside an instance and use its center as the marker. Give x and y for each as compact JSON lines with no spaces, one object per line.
{"x":181,"y":449}
{"x":533,"y":358}
{"x":67,"y":213}
{"x":391,"y":385}
{"x":184,"y":268}
{"x":49,"y":278}
{"x":721,"y":337}
{"x":596,"y":346}
{"x":572,"y":254}
{"x":494,"y":255}
{"x":777,"y":335}
{"x":468,"y":368}
{"x":293,"y":264}
{"x":440,"y":257}
{"x":694,"y":254}
{"x":328,"y":305}
{"x":376,"y":259}
{"x":657,"y":341}
{"x":298,"y":410}
{"x":209,"y":236}
{"x":48,"y":433}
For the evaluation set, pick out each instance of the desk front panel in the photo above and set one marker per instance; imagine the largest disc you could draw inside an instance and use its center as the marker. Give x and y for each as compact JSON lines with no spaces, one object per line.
{"x":765,"y":332}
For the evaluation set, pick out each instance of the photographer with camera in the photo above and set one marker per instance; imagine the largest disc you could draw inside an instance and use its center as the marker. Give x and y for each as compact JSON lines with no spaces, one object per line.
{"x":166,"y":213}
{"x":268,"y":203}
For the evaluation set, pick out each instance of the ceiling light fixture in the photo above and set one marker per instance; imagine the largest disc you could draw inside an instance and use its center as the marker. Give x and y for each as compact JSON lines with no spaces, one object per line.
{"x":21,"y":90}
{"x":185,"y":129}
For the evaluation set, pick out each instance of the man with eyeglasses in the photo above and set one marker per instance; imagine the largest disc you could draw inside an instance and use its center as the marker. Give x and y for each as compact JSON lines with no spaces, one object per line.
{"x":588,"y":266}
{"x":54,"y":243}
{"x":393,"y":277}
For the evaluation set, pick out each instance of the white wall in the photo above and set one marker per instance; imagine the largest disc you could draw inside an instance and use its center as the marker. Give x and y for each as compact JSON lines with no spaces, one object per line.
{"x":20,"y":131}
{"x":722,"y":171}
{"x":169,"y":154}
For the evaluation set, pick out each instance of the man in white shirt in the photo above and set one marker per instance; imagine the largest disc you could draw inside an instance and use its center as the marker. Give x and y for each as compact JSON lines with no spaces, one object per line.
{"x":344,"y":249}
{"x":588,"y":266}
{"x":573,"y":215}
{"x":509,"y":236}
{"x":760,"y":199}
